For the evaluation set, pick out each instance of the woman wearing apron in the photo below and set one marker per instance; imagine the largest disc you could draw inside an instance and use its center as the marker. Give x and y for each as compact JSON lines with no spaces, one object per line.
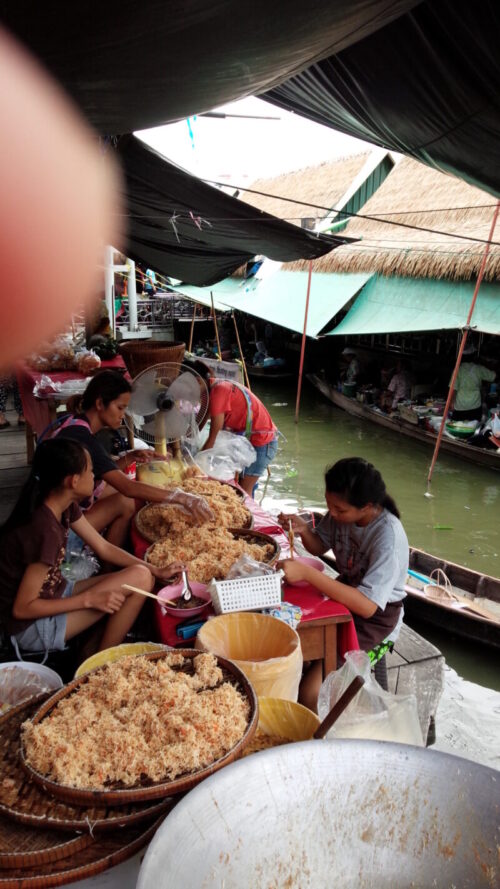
{"x":363,"y":528}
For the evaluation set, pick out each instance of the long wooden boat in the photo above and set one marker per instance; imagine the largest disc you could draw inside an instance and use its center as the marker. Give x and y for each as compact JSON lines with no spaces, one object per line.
{"x":482,"y":590}
{"x":268,"y":373}
{"x":352,"y":406}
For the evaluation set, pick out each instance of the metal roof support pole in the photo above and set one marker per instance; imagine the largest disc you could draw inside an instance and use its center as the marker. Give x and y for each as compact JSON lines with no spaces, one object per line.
{"x":219,"y":353}
{"x":245,"y":372}
{"x":303,"y":346}
{"x":109,"y":286}
{"x":462,"y":345}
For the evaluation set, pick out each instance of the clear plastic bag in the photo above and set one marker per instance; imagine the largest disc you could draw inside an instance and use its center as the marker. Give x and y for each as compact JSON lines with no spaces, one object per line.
{"x":21,"y":681}
{"x":373,"y":713}
{"x":245,"y":566}
{"x":229,"y":455}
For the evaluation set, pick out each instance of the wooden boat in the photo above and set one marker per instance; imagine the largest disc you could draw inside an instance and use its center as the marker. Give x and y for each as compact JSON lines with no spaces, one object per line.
{"x":482,"y":590}
{"x":268,"y":373}
{"x":352,"y":406}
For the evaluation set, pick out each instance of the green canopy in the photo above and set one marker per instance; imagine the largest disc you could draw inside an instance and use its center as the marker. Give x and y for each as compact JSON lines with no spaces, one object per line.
{"x":397,"y":305}
{"x":281,"y":297}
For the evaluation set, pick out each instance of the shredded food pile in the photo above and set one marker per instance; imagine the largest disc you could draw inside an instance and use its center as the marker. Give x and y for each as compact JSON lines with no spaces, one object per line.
{"x":229,"y":512}
{"x":260,"y":741}
{"x":138,"y":721}
{"x":208,"y":552}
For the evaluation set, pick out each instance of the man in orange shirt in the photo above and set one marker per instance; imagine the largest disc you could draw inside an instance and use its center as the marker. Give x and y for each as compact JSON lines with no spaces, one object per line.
{"x":234,"y":408}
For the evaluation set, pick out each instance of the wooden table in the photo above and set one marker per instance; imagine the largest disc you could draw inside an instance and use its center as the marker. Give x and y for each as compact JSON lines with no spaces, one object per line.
{"x":318,"y":640}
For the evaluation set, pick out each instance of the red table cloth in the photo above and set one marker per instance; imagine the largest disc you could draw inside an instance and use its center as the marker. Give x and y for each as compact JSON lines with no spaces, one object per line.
{"x":36,"y":410}
{"x":313,"y":604}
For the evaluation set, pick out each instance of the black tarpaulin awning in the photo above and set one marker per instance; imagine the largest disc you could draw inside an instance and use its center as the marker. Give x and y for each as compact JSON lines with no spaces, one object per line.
{"x":192,"y":231}
{"x":132,"y":64}
{"x":427,"y":85}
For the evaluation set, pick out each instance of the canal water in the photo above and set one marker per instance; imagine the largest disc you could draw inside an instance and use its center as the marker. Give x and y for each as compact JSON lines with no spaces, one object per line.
{"x":461,"y":522}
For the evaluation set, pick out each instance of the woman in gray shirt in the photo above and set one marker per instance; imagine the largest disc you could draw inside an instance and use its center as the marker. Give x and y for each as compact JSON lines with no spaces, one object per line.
{"x":363,"y":528}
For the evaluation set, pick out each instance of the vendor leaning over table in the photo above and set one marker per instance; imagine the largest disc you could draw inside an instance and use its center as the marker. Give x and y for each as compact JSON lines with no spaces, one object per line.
{"x":235,"y":408}
{"x":102,"y":406}
{"x":363,"y":528}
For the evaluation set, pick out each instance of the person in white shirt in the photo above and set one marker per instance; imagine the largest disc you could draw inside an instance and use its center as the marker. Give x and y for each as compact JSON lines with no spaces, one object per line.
{"x":467,"y":396}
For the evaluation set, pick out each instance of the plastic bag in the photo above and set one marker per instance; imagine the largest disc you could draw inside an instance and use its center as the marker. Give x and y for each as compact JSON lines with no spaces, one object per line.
{"x":21,"y":681}
{"x":245,"y":566}
{"x":230,"y":454}
{"x":373,"y":713}
{"x":267,"y":650}
{"x":80,"y":562}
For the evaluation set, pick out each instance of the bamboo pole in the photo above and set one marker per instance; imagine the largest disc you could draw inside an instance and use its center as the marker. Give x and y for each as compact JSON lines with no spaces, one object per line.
{"x":219,"y":353}
{"x":191,"y":332}
{"x":303,"y":346}
{"x":462,"y":346}
{"x":245,"y":372}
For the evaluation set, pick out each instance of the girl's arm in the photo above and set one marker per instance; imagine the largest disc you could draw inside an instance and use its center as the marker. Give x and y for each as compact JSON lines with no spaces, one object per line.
{"x":29,"y":606}
{"x":139,"y":491}
{"x":349,"y":596}
{"x":108,"y":552}
{"x":216,"y":426}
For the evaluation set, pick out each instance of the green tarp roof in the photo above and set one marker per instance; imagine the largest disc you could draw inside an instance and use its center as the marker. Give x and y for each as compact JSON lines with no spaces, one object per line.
{"x":397,"y":305}
{"x":281,"y":298}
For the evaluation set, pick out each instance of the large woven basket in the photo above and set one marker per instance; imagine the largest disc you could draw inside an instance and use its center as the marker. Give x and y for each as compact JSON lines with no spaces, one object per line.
{"x":139,"y":355}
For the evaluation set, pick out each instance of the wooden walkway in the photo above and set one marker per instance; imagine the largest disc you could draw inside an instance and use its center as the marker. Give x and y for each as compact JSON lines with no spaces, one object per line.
{"x":14,"y":468}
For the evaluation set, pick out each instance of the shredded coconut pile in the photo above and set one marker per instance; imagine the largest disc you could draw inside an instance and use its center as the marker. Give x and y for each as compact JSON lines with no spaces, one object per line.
{"x":228,"y":510}
{"x":208,"y":552}
{"x":137,"y":721}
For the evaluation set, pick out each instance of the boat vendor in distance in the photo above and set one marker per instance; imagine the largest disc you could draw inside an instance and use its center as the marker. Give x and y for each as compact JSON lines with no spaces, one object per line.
{"x":363,"y":528}
{"x":350,"y":373}
{"x":467,"y":402}
{"x":234,"y":408}
{"x":399,"y":388}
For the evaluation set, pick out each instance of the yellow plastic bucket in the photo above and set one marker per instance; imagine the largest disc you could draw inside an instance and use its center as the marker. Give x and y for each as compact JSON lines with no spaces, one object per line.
{"x":286,"y":719}
{"x":110,"y":655}
{"x":265,"y":648}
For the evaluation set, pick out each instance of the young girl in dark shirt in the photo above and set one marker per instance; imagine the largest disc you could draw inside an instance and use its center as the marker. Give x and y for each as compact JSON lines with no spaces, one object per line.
{"x":40,"y":609}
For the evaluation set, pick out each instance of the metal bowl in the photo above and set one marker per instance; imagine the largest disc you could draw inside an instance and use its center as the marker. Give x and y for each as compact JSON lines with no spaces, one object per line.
{"x":360,"y":814}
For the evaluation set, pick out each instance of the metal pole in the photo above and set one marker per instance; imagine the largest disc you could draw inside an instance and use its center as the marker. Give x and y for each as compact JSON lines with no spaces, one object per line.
{"x":132,"y":296}
{"x":219,"y":354}
{"x":191,"y":332}
{"x":109,"y":286}
{"x":303,"y":346}
{"x":245,"y":372}
{"x":462,"y":346}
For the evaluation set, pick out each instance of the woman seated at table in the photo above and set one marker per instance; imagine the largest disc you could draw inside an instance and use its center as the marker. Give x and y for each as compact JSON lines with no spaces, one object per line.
{"x":102,"y":406}
{"x":363,"y":528}
{"x":41,"y":609}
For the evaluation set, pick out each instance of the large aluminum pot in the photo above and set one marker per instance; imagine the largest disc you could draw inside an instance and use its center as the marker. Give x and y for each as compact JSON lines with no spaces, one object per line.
{"x":343,"y":813}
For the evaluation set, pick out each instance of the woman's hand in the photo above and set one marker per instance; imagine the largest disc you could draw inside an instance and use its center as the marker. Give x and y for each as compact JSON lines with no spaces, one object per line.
{"x":172,"y":570}
{"x":295,"y":571}
{"x":108,"y":601}
{"x":142,"y":455}
{"x":196,"y":506}
{"x":299,"y":524}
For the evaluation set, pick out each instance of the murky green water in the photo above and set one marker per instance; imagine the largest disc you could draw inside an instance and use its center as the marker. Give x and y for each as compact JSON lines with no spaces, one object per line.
{"x":466,"y":497}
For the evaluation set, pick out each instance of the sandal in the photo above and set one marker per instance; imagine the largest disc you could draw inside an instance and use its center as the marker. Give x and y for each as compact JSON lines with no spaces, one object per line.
{"x":4,"y":425}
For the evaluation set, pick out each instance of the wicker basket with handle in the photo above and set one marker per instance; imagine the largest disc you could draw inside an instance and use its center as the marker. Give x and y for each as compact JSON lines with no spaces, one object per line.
{"x":441,"y":589}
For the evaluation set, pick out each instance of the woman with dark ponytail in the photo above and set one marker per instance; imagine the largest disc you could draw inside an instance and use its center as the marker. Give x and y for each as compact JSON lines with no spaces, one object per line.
{"x":363,"y":528}
{"x":39,"y":608}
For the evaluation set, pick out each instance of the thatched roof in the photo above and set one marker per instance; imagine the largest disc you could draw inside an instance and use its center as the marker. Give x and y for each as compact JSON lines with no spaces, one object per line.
{"x":323,"y":185}
{"x":418,"y":195}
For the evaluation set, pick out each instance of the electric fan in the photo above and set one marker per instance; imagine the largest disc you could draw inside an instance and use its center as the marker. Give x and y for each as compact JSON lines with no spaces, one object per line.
{"x":169,"y":402}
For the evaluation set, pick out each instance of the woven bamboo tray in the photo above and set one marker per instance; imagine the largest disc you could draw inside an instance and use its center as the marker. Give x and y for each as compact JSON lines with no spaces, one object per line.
{"x":101,"y":854}
{"x":23,"y":801}
{"x":119,"y":795}
{"x":148,"y":535}
{"x":23,"y":846}
{"x":250,"y":536}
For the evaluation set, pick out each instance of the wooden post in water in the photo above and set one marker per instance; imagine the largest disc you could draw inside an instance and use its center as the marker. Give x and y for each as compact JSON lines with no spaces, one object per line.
{"x":462,"y":346}
{"x":303,"y":346}
{"x":245,"y":372}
